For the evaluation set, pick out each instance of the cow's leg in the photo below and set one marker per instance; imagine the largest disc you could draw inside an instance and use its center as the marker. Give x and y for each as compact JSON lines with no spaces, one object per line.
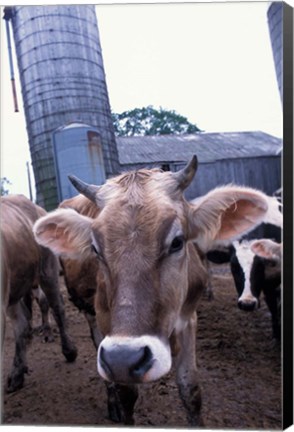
{"x":42,"y":301}
{"x":272,"y":298}
{"x":209,"y":289}
{"x":121,"y":400}
{"x":20,"y":317}
{"x":187,"y":375}
{"x":94,"y":331}
{"x":5,"y":289}
{"x":3,"y":325}
{"x":49,"y":283}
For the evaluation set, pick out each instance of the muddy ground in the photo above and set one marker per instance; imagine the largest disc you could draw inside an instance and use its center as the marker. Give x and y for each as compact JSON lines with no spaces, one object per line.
{"x":238,"y":361}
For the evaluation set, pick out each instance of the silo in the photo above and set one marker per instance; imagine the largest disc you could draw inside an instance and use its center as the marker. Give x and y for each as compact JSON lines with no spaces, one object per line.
{"x":77,"y":149}
{"x":275,"y":23}
{"x":63,"y":82}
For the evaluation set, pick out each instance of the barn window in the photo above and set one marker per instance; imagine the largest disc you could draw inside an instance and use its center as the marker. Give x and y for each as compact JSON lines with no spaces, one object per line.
{"x":165,"y":167}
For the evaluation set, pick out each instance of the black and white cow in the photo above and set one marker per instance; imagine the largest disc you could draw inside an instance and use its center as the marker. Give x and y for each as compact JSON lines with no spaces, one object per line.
{"x":256,"y":267}
{"x":254,"y":273}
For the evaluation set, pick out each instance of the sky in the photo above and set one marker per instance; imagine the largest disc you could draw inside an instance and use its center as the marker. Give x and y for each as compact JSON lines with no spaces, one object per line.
{"x":210,"y":62}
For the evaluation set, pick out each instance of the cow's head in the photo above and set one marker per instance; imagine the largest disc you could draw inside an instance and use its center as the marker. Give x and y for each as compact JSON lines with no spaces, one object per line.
{"x":141,"y":237}
{"x":270,"y":253}
{"x":248,"y":274}
{"x":253,"y":264}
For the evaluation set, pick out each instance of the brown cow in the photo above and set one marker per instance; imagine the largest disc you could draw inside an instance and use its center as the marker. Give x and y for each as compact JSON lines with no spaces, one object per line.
{"x":80,"y":274}
{"x":25,"y":266}
{"x":149,"y":244}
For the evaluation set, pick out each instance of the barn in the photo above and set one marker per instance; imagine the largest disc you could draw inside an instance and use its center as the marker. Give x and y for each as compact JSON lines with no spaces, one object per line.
{"x":244,"y":158}
{"x":69,"y":118}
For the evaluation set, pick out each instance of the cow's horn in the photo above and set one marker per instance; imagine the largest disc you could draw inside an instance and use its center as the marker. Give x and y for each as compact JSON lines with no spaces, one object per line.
{"x":185,"y":175}
{"x":90,"y":191}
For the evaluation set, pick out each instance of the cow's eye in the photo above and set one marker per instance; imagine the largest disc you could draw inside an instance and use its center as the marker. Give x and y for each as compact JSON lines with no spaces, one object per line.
{"x":177,"y":244}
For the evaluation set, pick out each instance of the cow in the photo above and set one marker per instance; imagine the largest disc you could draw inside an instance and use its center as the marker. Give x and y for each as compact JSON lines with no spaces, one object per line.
{"x":256,"y":268}
{"x":39,"y":296}
{"x":270,"y":254}
{"x":149,"y":244}
{"x":80,"y":274}
{"x":226,"y":253}
{"x":28,"y":270}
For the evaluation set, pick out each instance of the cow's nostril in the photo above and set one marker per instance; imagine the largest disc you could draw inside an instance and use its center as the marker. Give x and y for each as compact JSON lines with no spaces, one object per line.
{"x":142,"y":366}
{"x":247,"y":306}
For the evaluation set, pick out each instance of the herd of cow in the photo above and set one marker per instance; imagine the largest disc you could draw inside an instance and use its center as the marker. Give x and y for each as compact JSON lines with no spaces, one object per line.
{"x":134,"y":255}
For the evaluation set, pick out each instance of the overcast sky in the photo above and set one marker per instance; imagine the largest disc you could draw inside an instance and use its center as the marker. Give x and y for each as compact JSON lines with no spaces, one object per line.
{"x":211,"y":62}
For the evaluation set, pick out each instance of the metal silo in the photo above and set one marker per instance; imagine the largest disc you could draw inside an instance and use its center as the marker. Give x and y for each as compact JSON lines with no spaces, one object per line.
{"x":63,"y":82}
{"x":77,"y":149}
{"x":275,"y":23}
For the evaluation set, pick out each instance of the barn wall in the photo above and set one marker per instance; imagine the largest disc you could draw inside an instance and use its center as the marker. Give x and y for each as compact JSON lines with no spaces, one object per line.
{"x":134,"y":167}
{"x":262,"y":173}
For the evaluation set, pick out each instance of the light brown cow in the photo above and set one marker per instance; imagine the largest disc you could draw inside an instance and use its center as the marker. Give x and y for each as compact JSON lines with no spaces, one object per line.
{"x":149,"y":243}
{"x":80,"y":274}
{"x":25,"y":266}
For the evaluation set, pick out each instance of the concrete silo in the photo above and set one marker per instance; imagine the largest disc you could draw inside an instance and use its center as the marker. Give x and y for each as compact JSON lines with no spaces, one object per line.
{"x":275,"y":23}
{"x":65,"y":97}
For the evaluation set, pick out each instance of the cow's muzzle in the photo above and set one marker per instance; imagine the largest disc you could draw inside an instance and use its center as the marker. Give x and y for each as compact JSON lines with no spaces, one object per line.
{"x":133,"y":360}
{"x":248,"y":304}
{"x":120,"y":361}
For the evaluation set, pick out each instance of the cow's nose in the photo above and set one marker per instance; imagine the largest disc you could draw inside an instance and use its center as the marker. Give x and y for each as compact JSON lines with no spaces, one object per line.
{"x":248,"y":305}
{"x":125,"y":364}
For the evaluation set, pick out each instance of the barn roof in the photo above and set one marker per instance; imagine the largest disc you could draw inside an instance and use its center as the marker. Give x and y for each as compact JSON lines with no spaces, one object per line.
{"x":208,"y":147}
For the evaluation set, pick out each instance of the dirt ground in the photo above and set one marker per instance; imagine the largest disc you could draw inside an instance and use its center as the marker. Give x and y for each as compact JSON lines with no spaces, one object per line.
{"x":239,"y":365}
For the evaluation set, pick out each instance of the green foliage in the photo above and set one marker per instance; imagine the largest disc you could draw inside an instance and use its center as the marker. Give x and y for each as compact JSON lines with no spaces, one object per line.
{"x":4,"y":183}
{"x":150,"y":121}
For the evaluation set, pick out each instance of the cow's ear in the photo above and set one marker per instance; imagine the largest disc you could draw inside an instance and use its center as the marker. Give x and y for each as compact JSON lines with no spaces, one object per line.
{"x":267,"y":248}
{"x":65,"y":232}
{"x":225,"y":214}
{"x":260,"y":248}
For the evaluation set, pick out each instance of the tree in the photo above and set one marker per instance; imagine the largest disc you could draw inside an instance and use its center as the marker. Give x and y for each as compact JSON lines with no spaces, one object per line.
{"x":4,"y":183}
{"x":150,"y":121}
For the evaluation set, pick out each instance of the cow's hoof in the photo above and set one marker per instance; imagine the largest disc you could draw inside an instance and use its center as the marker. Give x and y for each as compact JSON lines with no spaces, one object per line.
{"x":117,"y":415}
{"x":196,"y":421}
{"x":129,"y":421}
{"x":114,"y":413}
{"x":70,"y":354}
{"x":15,"y":382}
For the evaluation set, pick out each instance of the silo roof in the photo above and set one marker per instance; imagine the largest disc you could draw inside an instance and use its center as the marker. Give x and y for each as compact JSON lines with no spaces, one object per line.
{"x":209,"y":147}
{"x":74,"y":125}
